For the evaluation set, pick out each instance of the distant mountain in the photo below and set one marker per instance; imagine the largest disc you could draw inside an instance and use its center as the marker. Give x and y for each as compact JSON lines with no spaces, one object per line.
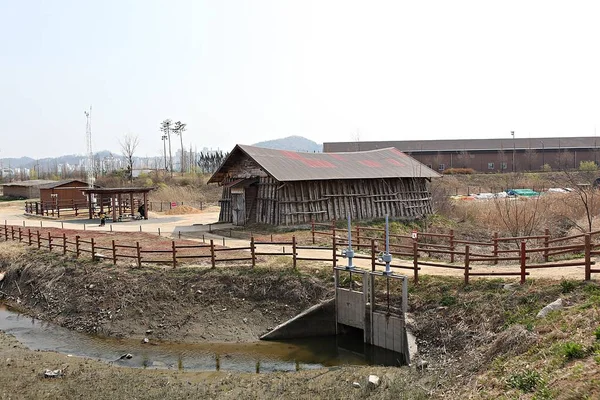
{"x":294,"y":143}
{"x":47,"y":163}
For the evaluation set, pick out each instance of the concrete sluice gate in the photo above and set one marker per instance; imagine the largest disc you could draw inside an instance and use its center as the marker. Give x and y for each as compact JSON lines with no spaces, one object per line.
{"x":374,"y":303}
{"x":370,"y":305}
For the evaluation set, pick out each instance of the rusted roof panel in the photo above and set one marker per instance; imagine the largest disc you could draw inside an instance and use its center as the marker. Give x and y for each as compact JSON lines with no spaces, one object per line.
{"x":287,"y":166}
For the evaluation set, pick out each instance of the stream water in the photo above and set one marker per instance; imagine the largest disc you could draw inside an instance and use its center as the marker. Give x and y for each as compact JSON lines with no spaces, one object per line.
{"x":259,"y":356}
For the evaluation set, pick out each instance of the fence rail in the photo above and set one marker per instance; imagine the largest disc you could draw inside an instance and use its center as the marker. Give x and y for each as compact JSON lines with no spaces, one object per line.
{"x":414,"y":260}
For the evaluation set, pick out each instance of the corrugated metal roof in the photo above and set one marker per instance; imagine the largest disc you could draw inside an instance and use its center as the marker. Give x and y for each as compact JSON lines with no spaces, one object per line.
{"x":294,"y":166}
{"x":468,"y":144}
{"x":33,"y":182}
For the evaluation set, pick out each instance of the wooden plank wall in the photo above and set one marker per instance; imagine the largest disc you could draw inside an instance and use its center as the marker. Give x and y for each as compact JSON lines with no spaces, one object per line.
{"x":226,"y":215}
{"x":295,"y":203}
{"x":299,"y":202}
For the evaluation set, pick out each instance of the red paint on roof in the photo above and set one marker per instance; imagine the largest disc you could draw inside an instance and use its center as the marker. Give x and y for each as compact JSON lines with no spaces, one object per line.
{"x":393,"y":161}
{"x":338,"y":157}
{"x":292,"y":154}
{"x":370,"y":163}
{"x":318,"y":163}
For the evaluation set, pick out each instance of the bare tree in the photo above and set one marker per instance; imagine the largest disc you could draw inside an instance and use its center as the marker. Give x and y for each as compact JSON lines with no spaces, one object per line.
{"x":128,"y":146}
{"x":166,"y":128}
{"x":178,"y":129}
{"x":583,"y":185}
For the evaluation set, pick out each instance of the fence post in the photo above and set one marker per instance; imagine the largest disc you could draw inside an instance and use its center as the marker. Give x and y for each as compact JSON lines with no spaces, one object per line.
{"x":495,"y":251}
{"x":159,"y":231}
{"x":212,"y":253}
{"x":12,"y":233}
{"x":114,"y":251}
{"x":358,"y":237}
{"x":64,"y":244}
{"x":312,"y":229}
{"x":39,"y":241}
{"x":546,"y":239}
{"x":452,"y":245}
{"x":588,"y":258}
{"x":252,"y":250}
{"x":5,"y":231}
{"x":29,"y":237}
{"x":20,"y":237}
{"x":334,"y":251}
{"x":77,"y":246}
{"x":416,"y":260}
{"x":174,"y":254}
{"x":523,"y":262}
{"x":139,"y":253}
{"x":373,"y":259}
{"x":467,"y":262}
{"x":93,"y":249}
{"x":294,"y":252}
{"x":49,"y":241}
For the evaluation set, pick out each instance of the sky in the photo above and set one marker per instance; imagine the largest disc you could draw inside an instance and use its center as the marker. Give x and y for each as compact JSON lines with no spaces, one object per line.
{"x":246,"y":71}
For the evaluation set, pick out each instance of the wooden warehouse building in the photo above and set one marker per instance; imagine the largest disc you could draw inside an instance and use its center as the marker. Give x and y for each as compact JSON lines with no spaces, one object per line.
{"x":24,"y":189}
{"x":279,"y":187}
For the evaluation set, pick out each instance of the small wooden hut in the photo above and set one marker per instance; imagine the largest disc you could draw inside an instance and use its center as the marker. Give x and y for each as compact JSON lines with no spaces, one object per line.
{"x":280,"y":187}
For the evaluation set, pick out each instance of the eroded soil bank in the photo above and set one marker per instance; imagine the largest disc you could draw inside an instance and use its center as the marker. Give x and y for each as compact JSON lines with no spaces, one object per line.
{"x":479,"y":341}
{"x":184,"y":304}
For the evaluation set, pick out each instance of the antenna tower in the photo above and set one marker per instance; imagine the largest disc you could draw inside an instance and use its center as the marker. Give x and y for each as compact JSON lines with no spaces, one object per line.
{"x":89,"y":161}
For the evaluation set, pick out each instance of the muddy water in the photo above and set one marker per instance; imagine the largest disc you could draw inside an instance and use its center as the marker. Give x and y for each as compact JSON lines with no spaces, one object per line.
{"x":256,"y":357}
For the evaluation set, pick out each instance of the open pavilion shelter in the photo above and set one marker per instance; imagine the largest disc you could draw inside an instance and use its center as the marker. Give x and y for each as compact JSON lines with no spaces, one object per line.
{"x":114,"y":199}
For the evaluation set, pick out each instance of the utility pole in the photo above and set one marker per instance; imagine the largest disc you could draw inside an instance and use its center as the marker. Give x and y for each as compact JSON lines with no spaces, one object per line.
{"x":89,"y":166}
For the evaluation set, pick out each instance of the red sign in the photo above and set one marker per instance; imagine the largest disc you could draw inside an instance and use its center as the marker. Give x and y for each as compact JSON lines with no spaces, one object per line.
{"x":414,"y":234}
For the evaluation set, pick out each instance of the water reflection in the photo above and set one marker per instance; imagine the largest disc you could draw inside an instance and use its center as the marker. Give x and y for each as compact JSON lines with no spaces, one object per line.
{"x":256,"y":357}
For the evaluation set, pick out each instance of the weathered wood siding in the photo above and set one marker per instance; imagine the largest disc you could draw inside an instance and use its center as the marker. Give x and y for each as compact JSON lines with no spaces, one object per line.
{"x":293,"y":203}
{"x":299,"y":202}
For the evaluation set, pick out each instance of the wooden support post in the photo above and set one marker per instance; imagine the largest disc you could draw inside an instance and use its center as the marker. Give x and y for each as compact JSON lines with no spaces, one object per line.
{"x":145,"y":195}
{"x":523,"y":255}
{"x":416,"y":260}
{"x":452,"y":246}
{"x":546,"y":239}
{"x":495,"y":251}
{"x":138,"y":253}
{"x":49,"y":241}
{"x":467,"y":261}
{"x":20,"y":235}
{"x":39,"y":240}
{"x":114,"y":252}
{"x":294,"y":255}
{"x":588,"y":258}
{"x":77,"y":246}
{"x":373,"y":256}
{"x":252,"y":250}
{"x":312,"y":229}
{"x":5,"y":231}
{"x":93,"y":249}
{"x":174,"y":254}
{"x":29,"y":237}
{"x":212,"y":254}
{"x":64,"y":244}
{"x":12,"y":233}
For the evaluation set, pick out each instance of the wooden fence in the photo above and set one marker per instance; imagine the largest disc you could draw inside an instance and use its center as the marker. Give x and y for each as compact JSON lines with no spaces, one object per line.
{"x":471,"y":263}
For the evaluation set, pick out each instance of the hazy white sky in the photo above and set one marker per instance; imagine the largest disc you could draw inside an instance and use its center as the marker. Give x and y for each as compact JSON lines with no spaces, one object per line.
{"x":246,"y":71}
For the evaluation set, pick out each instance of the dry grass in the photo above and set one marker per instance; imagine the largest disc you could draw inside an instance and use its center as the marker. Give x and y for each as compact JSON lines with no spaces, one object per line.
{"x":558,"y":212}
{"x":205,"y":193}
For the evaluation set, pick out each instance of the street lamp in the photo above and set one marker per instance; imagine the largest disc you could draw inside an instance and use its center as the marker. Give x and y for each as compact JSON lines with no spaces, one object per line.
{"x":164,"y":138}
{"x":513,"y":157}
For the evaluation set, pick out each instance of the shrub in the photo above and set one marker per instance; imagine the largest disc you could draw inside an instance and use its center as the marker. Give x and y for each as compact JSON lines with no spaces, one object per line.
{"x":459,"y":171}
{"x":546,"y":168}
{"x":597,"y":333}
{"x":525,"y":381}
{"x":572,"y":350}
{"x":588,"y":166}
{"x":567,"y":286}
